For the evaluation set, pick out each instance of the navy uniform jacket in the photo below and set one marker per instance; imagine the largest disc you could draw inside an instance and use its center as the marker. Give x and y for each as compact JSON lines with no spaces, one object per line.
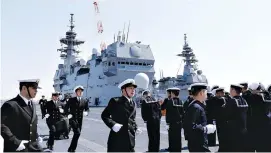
{"x":150,"y":109}
{"x":120,"y":110}
{"x":19,"y":123}
{"x":194,"y":124}
{"x":53,"y":110}
{"x":76,"y":109}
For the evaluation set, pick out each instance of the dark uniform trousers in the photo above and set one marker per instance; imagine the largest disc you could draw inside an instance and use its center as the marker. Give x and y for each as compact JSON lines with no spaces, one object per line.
{"x":175,"y":137}
{"x":153,"y":128}
{"x":174,"y":117}
{"x":19,"y":122}
{"x":52,"y":109}
{"x":76,"y":109}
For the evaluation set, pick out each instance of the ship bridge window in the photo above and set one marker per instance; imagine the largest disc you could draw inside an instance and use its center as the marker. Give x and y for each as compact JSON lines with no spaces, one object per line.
{"x":122,"y":63}
{"x":136,"y":63}
{"x":113,"y":63}
{"x":82,"y":71}
{"x":109,"y":64}
{"x":144,"y":64}
{"x":127,"y":63}
{"x":131,"y":63}
{"x":118,"y":62}
{"x":140,"y":63}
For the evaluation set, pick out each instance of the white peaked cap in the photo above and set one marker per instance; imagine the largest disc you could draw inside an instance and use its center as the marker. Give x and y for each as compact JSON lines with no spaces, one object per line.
{"x":78,"y":87}
{"x":127,"y":81}
{"x":254,"y":86}
{"x":31,"y":81}
{"x":173,"y":89}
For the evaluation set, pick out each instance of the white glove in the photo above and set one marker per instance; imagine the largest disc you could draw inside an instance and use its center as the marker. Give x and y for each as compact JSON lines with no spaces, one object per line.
{"x":69,"y":116}
{"x":40,"y":140}
{"x":210,"y":128}
{"x":47,"y":115}
{"x":145,"y":123}
{"x":116,"y":127}
{"x":21,"y":146}
{"x":85,"y":113}
{"x":138,"y":131}
{"x":167,"y":127}
{"x":61,"y":110}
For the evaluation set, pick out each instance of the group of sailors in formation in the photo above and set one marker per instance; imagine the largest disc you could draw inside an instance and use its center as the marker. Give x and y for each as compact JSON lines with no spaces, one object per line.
{"x":241,"y":118}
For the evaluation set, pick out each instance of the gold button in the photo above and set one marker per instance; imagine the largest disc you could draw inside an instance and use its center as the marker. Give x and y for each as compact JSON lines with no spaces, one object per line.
{"x":30,"y":124}
{"x":30,"y":132}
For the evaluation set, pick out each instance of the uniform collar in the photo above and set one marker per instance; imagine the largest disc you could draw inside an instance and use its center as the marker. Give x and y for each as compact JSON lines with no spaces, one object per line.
{"x":128,"y":99}
{"x":25,"y":99}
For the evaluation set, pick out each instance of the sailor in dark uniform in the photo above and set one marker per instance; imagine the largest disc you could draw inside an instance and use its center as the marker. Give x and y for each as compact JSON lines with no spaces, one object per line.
{"x":75,"y":108}
{"x":188,"y":100}
{"x":54,"y":108}
{"x":19,"y":120}
{"x":42,"y":103}
{"x":236,"y":109}
{"x":211,"y":107}
{"x":196,"y":121}
{"x":259,"y":121}
{"x":185,"y":106}
{"x":220,"y":118}
{"x":151,"y":114}
{"x":119,"y":116}
{"x":174,"y":118}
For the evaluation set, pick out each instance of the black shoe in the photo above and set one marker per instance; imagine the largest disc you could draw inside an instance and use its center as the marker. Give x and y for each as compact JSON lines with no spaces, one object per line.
{"x":70,"y":150}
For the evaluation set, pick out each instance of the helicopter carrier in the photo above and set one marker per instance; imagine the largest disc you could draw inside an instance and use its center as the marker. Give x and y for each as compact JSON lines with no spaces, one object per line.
{"x":101,"y":74}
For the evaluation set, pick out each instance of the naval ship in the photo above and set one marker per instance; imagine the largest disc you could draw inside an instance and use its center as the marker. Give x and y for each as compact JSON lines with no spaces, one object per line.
{"x":102,"y":73}
{"x":191,"y":74}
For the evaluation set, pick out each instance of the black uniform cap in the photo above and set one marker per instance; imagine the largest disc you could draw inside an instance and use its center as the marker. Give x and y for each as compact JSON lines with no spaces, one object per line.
{"x":34,"y":83}
{"x":237,"y":86}
{"x":219,"y":89}
{"x":215,"y":87}
{"x":198,"y":87}
{"x":244,"y":84}
{"x":56,"y":94}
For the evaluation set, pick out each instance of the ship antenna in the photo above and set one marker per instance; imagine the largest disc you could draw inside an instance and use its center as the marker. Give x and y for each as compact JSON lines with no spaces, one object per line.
{"x":114,"y":37}
{"x":128,"y":32}
{"x":185,"y":37}
{"x":123,"y":35}
{"x":71,"y":21}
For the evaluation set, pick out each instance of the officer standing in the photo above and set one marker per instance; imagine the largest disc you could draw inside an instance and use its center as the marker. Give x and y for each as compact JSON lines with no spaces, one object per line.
{"x":151,"y":114}
{"x":54,"y":108}
{"x":174,"y":117}
{"x":189,"y":99}
{"x":196,"y":121}
{"x":42,"y":103}
{"x":19,"y":120}
{"x":119,"y":116}
{"x":236,"y":109}
{"x":75,"y":108}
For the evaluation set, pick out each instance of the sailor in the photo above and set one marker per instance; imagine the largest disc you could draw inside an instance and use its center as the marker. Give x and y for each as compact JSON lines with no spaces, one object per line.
{"x":189,"y":99}
{"x":53,"y":110}
{"x":75,"y":108}
{"x":19,"y":120}
{"x":151,"y":114}
{"x":211,"y":107}
{"x":119,"y":116}
{"x":259,"y":127}
{"x":174,"y":118}
{"x":42,"y":103}
{"x":236,"y":110}
{"x":245,"y":87}
{"x":220,"y":118}
{"x":196,"y":121}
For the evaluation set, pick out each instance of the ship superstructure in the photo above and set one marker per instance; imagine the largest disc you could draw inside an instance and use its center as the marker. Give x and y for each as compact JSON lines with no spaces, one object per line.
{"x":102,"y":73}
